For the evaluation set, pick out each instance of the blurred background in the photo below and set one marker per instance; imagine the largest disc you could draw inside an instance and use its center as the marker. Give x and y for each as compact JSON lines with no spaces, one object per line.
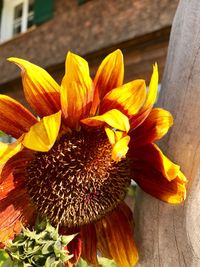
{"x":42,"y":31}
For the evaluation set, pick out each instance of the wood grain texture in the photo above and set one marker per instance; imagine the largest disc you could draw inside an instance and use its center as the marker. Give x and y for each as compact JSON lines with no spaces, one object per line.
{"x":169,"y":235}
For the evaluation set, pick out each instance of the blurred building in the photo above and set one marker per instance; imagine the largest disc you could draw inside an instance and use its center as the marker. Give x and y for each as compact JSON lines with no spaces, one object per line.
{"x":42,"y":31}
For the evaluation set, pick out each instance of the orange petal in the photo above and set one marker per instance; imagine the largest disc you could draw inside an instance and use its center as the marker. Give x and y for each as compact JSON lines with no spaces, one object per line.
{"x":154,"y":157}
{"x":153,"y":128}
{"x":17,"y":163}
{"x":137,"y":119}
{"x":76,"y":90}
{"x":75,"y":248}
{"x":42,"y":135}
{"x":128,"y":98}
{"x":113,"y":118}
{"x":109,"y":75}
{"x":14,"y":209}
{"x":9,"y":150}
{"x":89,"y":248}
{"x":117,"y":228}
{"x":14,"y":118}
{"x":40,"y":89}
{"x":120,"y":149}
{"x":6,"y":186}
{"x":155,"y":184}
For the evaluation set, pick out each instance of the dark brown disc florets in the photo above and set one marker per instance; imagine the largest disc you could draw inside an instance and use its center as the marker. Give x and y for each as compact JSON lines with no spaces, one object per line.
{"x":77,"y":182}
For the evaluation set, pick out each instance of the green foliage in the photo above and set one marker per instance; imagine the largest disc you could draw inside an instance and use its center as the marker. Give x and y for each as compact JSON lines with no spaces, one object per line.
{"x":41,"y":247}
{"x":102,"y":261}
{"x":3,"y":256}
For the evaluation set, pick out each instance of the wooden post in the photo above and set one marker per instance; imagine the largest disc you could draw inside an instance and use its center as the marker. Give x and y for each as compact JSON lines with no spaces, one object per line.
{"x":167,"y":235}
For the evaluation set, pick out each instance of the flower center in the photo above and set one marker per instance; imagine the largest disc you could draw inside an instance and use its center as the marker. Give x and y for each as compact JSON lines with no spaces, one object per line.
{"x":77,"y":182}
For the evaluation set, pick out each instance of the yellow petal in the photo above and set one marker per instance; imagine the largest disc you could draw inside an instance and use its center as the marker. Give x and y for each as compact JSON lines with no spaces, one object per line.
{"x":120,"y":149}
{"x":9,"y":122}
{"x":119,"y":135}
{"x":42,"y":135}
{"x":76,"y":90}
{"x":154,"y":183}
{"x":154,"y":157}
{"x":9,"y":150}
{"x":143,"y":113}
{"x":113,"y":118}
{"x":127,"y":98}
{"x":40,"y":89}
{"x":153,"y":128}
{"x":111,"y":135}
{"x":117,"y":229}
{"x":153,"y":88}
{"x":110,"y":74}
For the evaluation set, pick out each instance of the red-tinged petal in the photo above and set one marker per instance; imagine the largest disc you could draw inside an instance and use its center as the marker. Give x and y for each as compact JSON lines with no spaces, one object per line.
{"x":14,"y":118}
{"x":117,"y":228}
{"x":155,"y":184}
{"x":137,"y":119}
{"x":114,"y":118}
{"x":75,"y":248}
{"x":17,"y":163}
{"x":154,"y":157}
{"x":6,"y":186}
{"x":76,"y":91}
{"x":43,"y":134}
{"x":127,"y":98}
{"x":120,"y":149}
{"x":10,"y":232}
{"x":109,"y":75}
{"x":15,"y":208}
{"x":89,"y":241}
{"x":153,"y":128}
{"x":41,"y":91}
{"x":9,"y":150}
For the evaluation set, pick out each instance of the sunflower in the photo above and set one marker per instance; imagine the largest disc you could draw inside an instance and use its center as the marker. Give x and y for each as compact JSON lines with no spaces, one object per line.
{"x":74,"y":162}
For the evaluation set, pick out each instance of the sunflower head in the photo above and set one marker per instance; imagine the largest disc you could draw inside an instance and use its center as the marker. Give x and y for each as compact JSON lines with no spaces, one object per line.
{"x":74,"y":162}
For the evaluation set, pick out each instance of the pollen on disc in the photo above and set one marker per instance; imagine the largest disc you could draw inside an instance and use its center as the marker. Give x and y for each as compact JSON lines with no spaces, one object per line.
{"x":77,"y":182}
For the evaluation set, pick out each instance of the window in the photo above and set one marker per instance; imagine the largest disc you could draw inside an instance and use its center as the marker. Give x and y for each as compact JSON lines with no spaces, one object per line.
{"x":17,"y":17}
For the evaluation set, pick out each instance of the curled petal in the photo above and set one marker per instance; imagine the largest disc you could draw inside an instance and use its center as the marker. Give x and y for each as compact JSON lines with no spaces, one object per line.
{"x":127,"y":98}
{"x":9,"y":122}
{"x":153,"y":128}
{"x":110,"y":74}
{"x":113,"y":118}
{"x":117,"y":228}
{"x":143,"y":113}
{"x":40,"y":89}
{"x":42,"y":135}
{"x":76,"y":90}
{"x":120,"y":149}
{"x":110,"y":134}
{"x":153,"y":156}
{"x":155,"y":184}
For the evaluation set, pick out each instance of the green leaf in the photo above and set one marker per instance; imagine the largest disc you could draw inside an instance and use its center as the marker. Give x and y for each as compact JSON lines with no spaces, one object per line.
{"x":48,"y":247}
{"x":67,"y":238}
{"x":106,"y":262}
{"x":82,"y":263}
